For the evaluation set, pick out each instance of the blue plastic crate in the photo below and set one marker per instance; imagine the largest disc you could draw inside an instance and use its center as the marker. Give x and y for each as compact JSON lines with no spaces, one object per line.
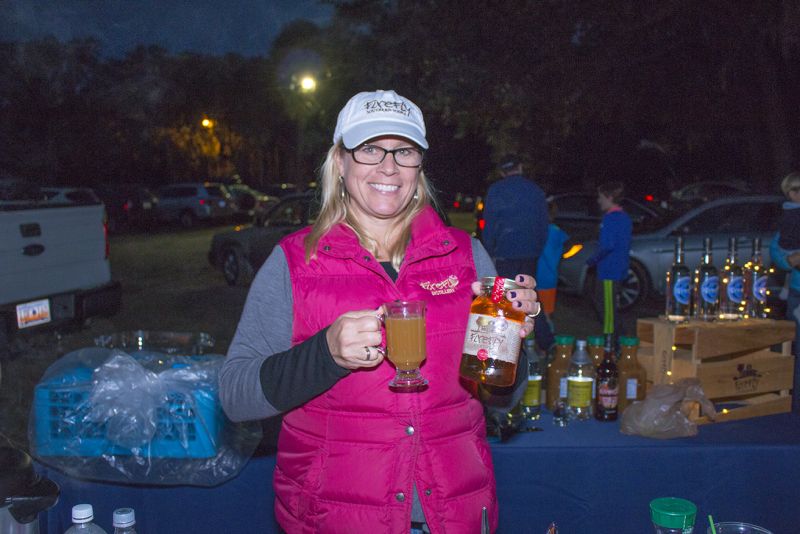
{"x":188,"y":424}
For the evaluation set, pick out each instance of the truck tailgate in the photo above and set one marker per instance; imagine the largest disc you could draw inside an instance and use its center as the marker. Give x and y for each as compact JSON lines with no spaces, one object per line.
{"x":51,"y":250}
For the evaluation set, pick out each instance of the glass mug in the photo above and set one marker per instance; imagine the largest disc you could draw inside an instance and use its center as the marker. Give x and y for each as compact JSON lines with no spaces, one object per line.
{"x":405,"y":341}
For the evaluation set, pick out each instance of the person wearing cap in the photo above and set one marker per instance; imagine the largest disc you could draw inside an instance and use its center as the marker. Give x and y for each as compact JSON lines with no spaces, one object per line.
{"x":517,"y":221}
{"x":354,"y":455}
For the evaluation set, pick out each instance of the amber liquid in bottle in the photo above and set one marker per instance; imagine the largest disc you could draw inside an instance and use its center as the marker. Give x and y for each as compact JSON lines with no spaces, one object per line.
{"x":632,"y":375}
{"x":557,"y":370}
{"x":607,"y":401}
{"x":492,"y":343}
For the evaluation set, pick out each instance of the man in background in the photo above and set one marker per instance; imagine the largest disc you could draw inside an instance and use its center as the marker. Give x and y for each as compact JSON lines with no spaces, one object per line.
{"x":516,"y":217}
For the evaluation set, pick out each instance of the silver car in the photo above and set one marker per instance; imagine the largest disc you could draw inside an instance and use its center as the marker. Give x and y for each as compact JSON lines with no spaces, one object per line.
{"x":652,"y":249}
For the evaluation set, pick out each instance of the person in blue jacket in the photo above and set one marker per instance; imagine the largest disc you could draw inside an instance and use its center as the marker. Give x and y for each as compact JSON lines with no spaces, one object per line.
{"x":785,"y":255}
{"x":612,"y":256}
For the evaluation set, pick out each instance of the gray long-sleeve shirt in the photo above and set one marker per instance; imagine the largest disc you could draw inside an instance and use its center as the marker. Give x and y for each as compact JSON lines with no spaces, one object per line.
{"x":263,"y":374}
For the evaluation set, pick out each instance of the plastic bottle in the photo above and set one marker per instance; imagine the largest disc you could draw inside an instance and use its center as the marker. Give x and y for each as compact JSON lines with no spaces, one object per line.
{"x":671,"y":515}
{"x":124,"y":521}
{"x":557,"y":370}
{"x":594,"y":344}
{"x":580,"y":382}
{"x":532,"y":398}
{"x":82,"y":521}
{"x":632,"y":375}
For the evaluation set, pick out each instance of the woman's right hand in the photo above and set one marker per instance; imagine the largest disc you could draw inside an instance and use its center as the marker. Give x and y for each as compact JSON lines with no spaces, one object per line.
{"x":354,"y":339}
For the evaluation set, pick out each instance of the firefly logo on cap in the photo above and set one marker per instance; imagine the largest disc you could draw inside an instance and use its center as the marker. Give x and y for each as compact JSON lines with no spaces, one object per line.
{"x":384,"y":105}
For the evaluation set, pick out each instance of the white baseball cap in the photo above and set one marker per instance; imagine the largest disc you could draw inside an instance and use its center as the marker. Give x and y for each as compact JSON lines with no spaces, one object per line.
{"x":373,"y":114}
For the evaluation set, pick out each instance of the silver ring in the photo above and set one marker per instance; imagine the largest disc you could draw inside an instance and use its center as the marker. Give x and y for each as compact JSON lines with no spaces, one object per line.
{"x":369,"y":353}
{"x":538,"y":311}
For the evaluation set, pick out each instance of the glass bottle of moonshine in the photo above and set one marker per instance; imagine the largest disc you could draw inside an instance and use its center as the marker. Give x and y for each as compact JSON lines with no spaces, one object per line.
{"x":706,"y":286}
{"x":492,"y":342}
{"x":580,"y":381}
{"x":532,"y":398}
{"x":756,"y":283}
{"x":605,"y":407}
{"x":679,"y":286}
{"x":557,"y":370}
{"x":731,"y":290}
{"x":632,"y":375}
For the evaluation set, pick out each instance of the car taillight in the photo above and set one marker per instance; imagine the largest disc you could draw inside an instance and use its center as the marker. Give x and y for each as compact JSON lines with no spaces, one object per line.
{"x":481,"y":223}
{"x":202,"y":201}
{"x":649,"y":198}
{"x":456,"y":204}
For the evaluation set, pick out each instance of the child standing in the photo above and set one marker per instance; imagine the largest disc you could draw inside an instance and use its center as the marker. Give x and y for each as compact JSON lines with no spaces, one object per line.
{"x":612,"y":256}
{"x":785,"y":253}
{"x":547,"y":266}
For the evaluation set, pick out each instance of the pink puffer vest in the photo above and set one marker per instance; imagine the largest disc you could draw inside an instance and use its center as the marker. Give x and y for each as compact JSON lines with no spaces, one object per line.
{"x":349,"y":458}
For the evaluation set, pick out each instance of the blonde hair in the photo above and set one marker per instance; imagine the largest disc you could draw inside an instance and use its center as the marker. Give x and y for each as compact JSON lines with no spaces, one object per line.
{"x":789,"y":182}
{"x":333,"y":210}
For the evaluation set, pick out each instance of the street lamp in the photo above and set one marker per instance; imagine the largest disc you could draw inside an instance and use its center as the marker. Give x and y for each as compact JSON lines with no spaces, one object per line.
{"x":308,"y":84}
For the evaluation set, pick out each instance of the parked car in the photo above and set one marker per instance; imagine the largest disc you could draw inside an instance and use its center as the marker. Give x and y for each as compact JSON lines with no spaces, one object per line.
{"x":128,"y":206}
{"x":281,"y":190}
{"x":251,"y":204}
{"x":188,"y":203}
{"x":579,"y":215}
{"x":240,"y":252}
{"x":70,"y":195}
{"x":743,"y":217}
{"x":709,"y":190}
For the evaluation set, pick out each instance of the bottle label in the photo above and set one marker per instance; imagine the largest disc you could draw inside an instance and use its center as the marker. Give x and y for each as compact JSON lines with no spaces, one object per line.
{"x":497,"y":289}
{"x":608,"y":394}
{"x":631,"y":385}
{"x":760,"y":288}
{"x":579,"y":391}
{"x":709,"y":289}
{"x":533,"y":393}
{"x":492,"y":337}
{"x":562,"y":387}
{"x":735,"y":289}
{"x":682,"y":289}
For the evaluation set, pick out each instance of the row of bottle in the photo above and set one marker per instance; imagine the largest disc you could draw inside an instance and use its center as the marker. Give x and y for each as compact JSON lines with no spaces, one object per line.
{"x":739,"y":290}
{"x":589,"y":380}
{"x":124,"y":521}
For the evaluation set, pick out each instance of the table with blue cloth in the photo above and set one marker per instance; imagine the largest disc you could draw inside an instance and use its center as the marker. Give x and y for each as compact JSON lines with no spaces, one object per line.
{"x":587,"y":477}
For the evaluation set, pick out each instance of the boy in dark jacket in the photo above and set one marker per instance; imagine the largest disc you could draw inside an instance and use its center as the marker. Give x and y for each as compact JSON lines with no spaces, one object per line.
{"x":612,"y":256}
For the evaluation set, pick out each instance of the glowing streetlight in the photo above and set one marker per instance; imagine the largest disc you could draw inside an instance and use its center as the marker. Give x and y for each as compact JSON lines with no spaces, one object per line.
{"x":207,"y":123}
{"x":308,"y":84}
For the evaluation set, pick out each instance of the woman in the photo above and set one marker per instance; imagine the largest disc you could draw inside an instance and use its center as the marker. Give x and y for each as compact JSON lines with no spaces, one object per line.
{"x":353,"y":455}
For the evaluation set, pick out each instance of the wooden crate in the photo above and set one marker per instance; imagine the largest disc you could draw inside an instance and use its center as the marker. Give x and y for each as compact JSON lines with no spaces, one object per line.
{"x":734,"y":361}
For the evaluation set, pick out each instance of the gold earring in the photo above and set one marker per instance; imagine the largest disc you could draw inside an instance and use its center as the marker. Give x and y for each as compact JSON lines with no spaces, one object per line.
{"x":341,"y":187}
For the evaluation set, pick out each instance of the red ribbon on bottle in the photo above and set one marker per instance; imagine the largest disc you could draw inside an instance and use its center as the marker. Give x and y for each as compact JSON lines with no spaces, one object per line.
{"x":497,"y":289}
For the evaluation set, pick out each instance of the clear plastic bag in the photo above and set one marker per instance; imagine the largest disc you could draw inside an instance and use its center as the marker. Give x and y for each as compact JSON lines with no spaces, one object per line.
{"x":661,"y":414}
{"x":142,"y":416}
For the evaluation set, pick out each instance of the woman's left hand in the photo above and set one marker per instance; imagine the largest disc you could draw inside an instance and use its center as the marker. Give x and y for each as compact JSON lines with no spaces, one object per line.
{"x":523,"y":299}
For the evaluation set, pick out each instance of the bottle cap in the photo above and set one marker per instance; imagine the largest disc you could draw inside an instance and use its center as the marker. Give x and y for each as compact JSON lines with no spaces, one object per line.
{"x":628,"y":341}
{"x":672,"y":512}
{"x":82,"y":513}
{"x":580,"y":356}
{"x":565,"y":340}
{"x":124,"y":517}
{"x":595,"y":341}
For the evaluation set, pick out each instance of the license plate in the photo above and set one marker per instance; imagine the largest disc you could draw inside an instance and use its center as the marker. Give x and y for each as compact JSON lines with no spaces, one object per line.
{"x":33,"y":313}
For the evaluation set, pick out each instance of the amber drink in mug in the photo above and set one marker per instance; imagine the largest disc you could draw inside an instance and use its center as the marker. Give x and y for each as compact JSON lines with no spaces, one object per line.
{"x":405,"y":341}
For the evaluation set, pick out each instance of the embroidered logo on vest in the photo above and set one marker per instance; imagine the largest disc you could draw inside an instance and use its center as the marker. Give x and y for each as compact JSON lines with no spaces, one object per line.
{"x":445,"y":287}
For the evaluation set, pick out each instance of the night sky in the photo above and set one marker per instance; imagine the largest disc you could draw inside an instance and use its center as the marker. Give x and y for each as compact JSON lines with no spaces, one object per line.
{"x":213,"y":27}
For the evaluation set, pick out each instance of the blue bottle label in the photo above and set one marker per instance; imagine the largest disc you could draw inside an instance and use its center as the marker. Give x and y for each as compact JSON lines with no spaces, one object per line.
{"x":736,"y":289}
{"x":681,"y":289}
{"x":760,"y":288}
{"x":709,"y":289}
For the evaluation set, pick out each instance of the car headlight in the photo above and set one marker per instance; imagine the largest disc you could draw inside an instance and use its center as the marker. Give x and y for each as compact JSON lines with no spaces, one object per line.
{"x":574,"y":249}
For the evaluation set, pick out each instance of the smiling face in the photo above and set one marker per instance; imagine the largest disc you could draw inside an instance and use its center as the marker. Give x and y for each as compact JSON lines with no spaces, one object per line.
{"x":378,"y":193}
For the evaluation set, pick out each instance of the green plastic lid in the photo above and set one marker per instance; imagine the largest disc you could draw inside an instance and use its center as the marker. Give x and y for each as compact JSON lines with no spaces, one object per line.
{"x":595,"y":341}
{"x":565,"y":340}
{"x":628,"y":341}
{"x":672,"y":512}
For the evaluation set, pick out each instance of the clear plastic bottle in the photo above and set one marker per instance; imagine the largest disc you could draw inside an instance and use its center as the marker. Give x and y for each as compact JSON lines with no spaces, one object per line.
{"x":532,"y":398}
{"x":124,"y":521}
{"x":580,"y":382}
{"x":82,"y":521}
{"x":594,"y":344}
{"x":632,"y":375}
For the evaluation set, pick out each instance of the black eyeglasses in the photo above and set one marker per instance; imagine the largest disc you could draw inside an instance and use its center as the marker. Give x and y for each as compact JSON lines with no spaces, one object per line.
{"x":405,"y":156}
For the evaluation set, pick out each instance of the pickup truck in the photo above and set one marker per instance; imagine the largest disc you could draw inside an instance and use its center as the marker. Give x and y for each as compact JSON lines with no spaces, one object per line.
{"x":54,"y":266}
